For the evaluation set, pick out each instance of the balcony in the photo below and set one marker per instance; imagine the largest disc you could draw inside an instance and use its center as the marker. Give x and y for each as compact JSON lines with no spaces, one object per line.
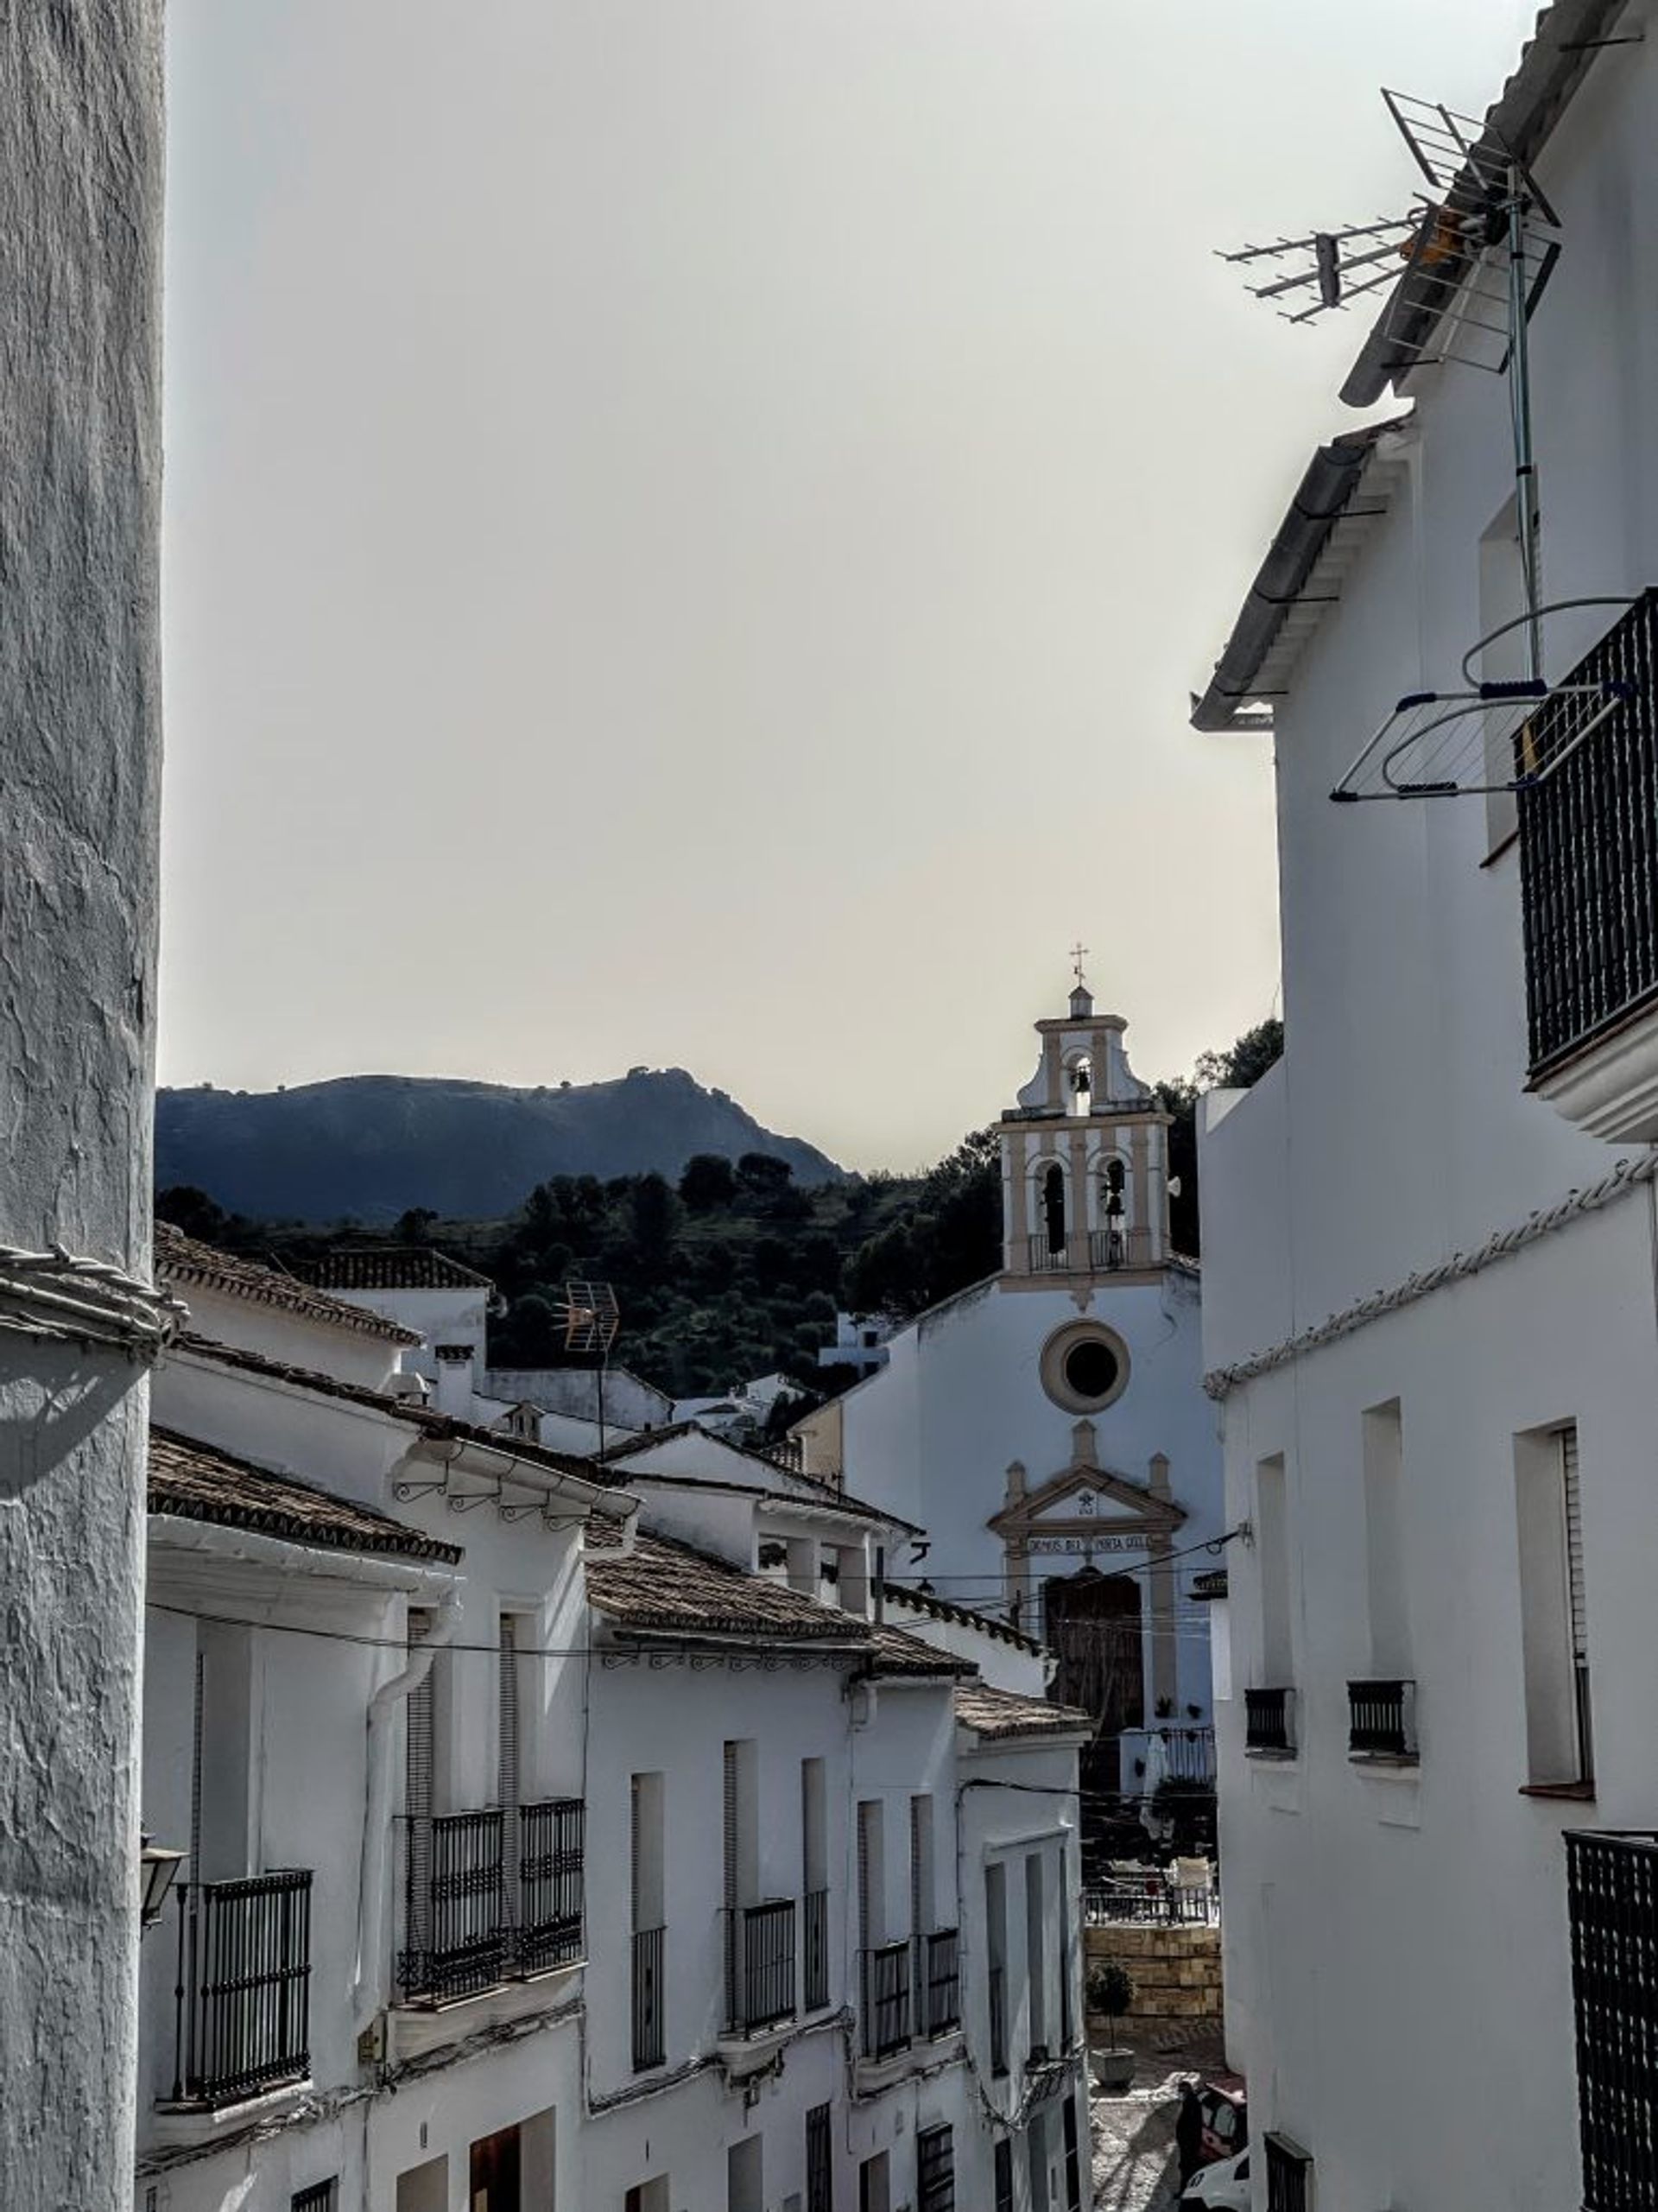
{"x":1612,"y":1899}
{"x":886,"y":2001}
{"x":1108,"y":1249}
{"x":1043,"y":1257}
{"x":243,"y":1988}
{"x":941,"y":1983}
{"x":762,"y":1961}
{"x":470,"y":1921}
{"x":1381,"y":1722}
{"x":1169,"y":1751}
{"x":815,"y":1994}
{"x":1588,"y":892}
{"x":649,"y":2022}
{"x":998,"y":1990}
{"x":1269,"y":1723}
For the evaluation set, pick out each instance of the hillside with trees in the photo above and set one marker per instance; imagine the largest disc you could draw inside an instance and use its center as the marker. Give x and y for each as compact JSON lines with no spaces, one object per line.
{"x":733,"y":1268}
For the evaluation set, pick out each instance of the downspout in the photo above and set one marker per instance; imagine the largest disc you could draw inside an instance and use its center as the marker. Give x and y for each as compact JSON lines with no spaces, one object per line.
{"x":377,"y":1811}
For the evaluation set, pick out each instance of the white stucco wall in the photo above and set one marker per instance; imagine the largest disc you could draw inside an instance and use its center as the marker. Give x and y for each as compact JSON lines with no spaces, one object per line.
{"x":1396,"y":1946}
{"x":80,"y":208}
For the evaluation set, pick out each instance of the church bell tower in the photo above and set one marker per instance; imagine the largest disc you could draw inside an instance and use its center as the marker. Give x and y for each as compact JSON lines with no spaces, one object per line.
{"x":1085,"y":1159}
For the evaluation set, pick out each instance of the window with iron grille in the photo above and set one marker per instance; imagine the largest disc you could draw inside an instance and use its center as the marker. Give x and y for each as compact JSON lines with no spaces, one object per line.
{"x":1002,"y":2157}
{"x":1612,"y":1896}
{"x":321,"y":2196}
{"x":935,"y":2170}
{"x":819,"y":2172}
{"x":1289,"y":2176}
{"x":1073,"y":2156}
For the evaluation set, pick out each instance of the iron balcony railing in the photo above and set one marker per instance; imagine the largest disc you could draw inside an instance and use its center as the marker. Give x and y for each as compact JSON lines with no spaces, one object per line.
{"x":763,"y":1979}
{"x":998,"y":1980}
{"x":1289,"y":2176}
{"x":941,"y":1989}
{"x":243,"y":1992}
{"x":1380,"y":1719}
{"x":1043,"y":1257}
{"x":1108,"y":1248}
{"x":1612,"y":1898}
{"x":1269,"y":1715}
{"x":815,"y":1933}
{"x":649,"y":2024}
{"x":1151,"y":1900}
{"x":1589,"y":851}
{"x":468,"y":1921}
{"x":886,"y":1999}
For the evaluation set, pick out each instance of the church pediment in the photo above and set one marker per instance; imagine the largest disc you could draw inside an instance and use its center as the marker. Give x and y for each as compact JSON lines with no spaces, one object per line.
{"x":1086,"y":1497}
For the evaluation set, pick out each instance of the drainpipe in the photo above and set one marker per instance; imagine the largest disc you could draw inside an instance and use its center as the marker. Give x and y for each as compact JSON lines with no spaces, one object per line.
{"x":377,"y":1811}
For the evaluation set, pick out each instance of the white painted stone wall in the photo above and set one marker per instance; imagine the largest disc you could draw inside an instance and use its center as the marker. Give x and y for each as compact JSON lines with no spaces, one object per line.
{"x":80,"y":201}
{"x":1397,"y":1975}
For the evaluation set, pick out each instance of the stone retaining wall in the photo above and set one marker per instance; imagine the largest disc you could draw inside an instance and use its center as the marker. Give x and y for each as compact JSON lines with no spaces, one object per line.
{"x":1176,"y":1971}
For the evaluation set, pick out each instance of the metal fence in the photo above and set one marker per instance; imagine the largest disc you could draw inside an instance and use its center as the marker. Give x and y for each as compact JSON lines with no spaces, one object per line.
{"x":649,"y":2032}
{"x":1151,"y":1900}
{"x":243,"y":1994}
{"x":942,"y":1988}
{"x":886,"y":1999}
{"x":1612,"y":1897}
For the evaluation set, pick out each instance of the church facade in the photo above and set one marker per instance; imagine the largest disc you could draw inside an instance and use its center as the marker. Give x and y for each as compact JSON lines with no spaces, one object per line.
{"x":1047,"y":1428}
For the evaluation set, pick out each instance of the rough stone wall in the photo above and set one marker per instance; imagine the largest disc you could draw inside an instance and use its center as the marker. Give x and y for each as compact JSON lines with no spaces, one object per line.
{"x":1176,"y":1972}
{"x":80,"y":184}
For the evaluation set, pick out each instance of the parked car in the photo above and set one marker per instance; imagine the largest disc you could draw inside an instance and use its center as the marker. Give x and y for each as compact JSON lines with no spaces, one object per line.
{"x":1224,"y":2187}
{"x":1225,"y":2109}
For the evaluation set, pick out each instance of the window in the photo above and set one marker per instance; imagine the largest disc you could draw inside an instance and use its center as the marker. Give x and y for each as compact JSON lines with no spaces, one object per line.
{"x":1036,"y":1950}
{"x":995,"y":1919}
{"x":1003,"y":2161}
{"x":1085,"y":1367}
{"x":1073,"y":2156}
{"x":874,"y":2184}
{"x":1389,"y":1616}
{"x":1553,"y":1616}
{"x":1272,"y":1540}
{"x":495,"y":2172}
{"x":321,"y":2196}
{"x":922,"y":1913}
{"x":819,"y":2170}
{"x":648,"y":2195}
{"x":815,"y":1886}
{"x":1289,"y":2176}
{"x":648,"y":1964}
{"x":1054,"y":1208}
{"x":935,"y":2170}
{"x":744,"y":2186}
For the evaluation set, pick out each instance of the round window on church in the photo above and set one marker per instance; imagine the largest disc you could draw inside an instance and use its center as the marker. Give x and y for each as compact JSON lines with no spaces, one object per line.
{"x":1085,"y":1367}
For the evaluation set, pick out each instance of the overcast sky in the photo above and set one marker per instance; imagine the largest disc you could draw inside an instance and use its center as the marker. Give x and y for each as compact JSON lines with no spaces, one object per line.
{"x":691,"y":527}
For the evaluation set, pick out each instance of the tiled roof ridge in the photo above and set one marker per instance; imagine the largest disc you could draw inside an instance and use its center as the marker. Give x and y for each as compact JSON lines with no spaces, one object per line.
{"x":187,"y":1258}
{"x":996,"y":1713}
{"x":393,"y":1267}
{"x":204,"y":1482}
{"x":946,"y":1609}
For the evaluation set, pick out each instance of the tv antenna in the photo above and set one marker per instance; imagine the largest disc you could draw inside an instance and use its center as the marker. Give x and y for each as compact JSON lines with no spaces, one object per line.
{"x":1479,"y":242}
{"x":591,"y":1321}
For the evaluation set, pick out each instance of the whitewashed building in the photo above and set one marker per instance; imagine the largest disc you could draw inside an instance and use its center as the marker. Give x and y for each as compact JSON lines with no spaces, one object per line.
{"x":1047,"y":1428}
{"x":562,"y":1836}
{"x":1429,"y":1261}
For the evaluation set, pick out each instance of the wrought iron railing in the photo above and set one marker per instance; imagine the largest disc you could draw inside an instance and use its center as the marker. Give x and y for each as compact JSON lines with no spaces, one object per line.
{"x":1108,"y":1248}
{"x":551,"y":1876}
{"x":1612,"y":1897}
{"x":1289,"y":2176}
{"x":469,"y":1921}
{"x":763,"y":1979}
{"x":815,"y":1943}
{"x":650,"y":2023}
{"x":1589,"y":852}
{"x":1151,"y":1900}
{"x":1043,"y":1257}
{"x":935,"y":2170}
{"x":997,"y":1981}
{"x":455,"y":1927}
{"x":942,"y":1989}
{"x":886,"y":1999}
{"x":1266,"y":1723}
{"x":243,"y":1992}
{"x":1380,"y":1719}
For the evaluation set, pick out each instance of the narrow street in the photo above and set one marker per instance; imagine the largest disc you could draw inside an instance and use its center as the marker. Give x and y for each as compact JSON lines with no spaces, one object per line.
{"x":1134,"y":2149}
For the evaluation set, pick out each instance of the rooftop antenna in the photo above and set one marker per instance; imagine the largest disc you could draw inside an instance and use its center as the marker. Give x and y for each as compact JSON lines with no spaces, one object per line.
{"x":591,"y":1320}
{"x":1479,"y":242}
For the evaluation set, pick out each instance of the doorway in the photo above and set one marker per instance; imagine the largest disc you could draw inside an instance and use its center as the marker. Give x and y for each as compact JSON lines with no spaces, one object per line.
{"x":1093,"y":1624}
{"x":495,"y":2174}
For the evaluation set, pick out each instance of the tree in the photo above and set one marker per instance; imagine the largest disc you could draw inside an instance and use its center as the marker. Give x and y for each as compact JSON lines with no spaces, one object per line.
{"x":656,"y":1219}
{"x":762,"y":1174}
{"x":192,"y":1211}
{"x":416,"y":1225}
{"x":1236,"y":1069}
{"x":708,"y":1182}
{"x":949,"y":1237}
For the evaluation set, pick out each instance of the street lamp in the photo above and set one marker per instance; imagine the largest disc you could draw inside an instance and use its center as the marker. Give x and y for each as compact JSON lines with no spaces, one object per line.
{"x":157,"y":1867}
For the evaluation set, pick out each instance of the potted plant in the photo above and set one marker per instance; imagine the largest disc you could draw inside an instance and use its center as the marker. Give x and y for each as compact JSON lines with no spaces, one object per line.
{"x":1110,"y":1991}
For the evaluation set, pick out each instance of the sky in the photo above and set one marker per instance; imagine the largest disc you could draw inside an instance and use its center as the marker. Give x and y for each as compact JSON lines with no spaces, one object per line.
{"x":691,"y":527}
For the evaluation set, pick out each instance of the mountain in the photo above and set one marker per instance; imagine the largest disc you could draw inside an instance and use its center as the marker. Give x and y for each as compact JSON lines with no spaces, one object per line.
{"x":368,"y":1147}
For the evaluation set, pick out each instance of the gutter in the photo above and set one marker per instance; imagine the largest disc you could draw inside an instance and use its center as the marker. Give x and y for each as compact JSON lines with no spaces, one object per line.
{"x":1552,"y":66}
{"x":175,"y":1533}
{"x":1323,"y":497}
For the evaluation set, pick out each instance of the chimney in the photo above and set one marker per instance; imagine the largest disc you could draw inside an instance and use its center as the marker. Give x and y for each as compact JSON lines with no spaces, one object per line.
{"x":454,"y":1394}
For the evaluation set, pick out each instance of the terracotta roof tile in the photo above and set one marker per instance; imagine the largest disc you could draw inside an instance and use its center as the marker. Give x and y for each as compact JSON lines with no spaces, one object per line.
{"x":668,"y":1588}
{"x":892,"y":1652}
{"x":197,"y":1483}
{"x":937,"y":1608}
{"x":998,"y":1714}
{"x":393,"y":1267}
{"x":182,"y":1259}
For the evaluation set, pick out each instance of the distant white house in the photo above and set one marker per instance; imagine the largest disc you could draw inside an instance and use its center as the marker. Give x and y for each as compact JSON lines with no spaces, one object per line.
{"x":860,"y":1342}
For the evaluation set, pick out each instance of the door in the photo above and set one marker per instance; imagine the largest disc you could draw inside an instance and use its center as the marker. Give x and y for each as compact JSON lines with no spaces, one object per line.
{"x":495,"y":2174}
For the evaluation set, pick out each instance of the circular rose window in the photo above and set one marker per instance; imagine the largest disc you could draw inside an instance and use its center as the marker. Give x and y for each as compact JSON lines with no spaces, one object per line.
{"x":1085,"y":1367}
